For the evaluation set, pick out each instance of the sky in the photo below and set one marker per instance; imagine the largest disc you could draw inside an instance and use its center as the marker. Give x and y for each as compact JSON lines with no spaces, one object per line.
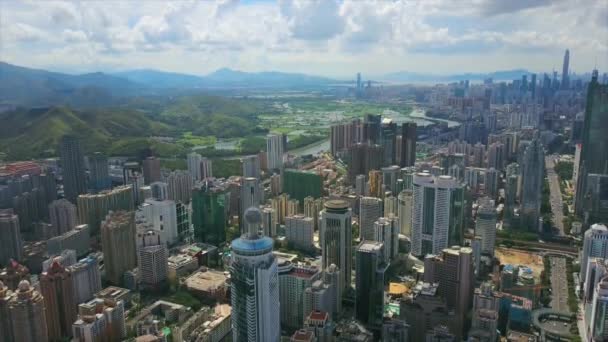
{"x":329,"y":37}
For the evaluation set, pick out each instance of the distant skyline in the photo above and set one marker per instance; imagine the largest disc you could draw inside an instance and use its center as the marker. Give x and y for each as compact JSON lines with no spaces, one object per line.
{"x":327,"y":38}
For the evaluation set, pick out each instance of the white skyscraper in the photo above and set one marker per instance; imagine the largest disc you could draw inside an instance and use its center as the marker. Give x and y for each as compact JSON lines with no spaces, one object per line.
{"x":299,"y":231}
{"x":386,"y":231}
{"x":485,"y":226}
{"x":336,"y":238}
{"x":206,"y":168}
{"x":254,"y":285}
{"x":405,"y":202}
{"x":251,"y":196}
{"x":370,"y":209}
{"x":595,"y":244}
{"x":274,"y":151}
{"x":438,"y":214}
{"x":194,"y":165}
{"x":162,"y":215}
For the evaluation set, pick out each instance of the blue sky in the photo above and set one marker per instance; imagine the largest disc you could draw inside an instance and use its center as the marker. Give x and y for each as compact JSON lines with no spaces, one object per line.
{"x":332,"y":38}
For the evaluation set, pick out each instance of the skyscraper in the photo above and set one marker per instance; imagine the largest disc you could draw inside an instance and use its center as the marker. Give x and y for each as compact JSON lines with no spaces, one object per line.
{"x":598,"y":327}
{"x":299,"y":231}
{"x":565,"y":75}
{"x":206,"y":168}
{"x":92,"y":208}
{"x":72,"y":163}
{"x":251,"y":166}
{"x":376,"y":188}
{"x":336,"y":239}
{"x":151,"y":166}
{"x":274,"y":151}
{"x":62,"y":215}
{"x":370,"y":269}
{"x":118,"y":244}
{"x":485,"y":226}
{"x":86,"y":278}
{"x":386,"y":231}
{"x":57,"y":288}
{"x":162,"y":216}
{"x":26,"y":308}
{"x":389,"y":177}
{"x":300,"y":184}
{"x":11,"y":245}
{"x":293,"y":282}
{"x":152,"y":257}
{"x":408,"y":144}
{"x":179,"y":186}
{"x":254,"y":285}
{"x":404,"y":212}
{"x":251,"y":196}
{"x":533,"y":162}
{"x":595,"y":245}
{"x":209,"y":204}
{"x":438,"y":214}
{"x":99,"y":177}
{"x":363,"y":158}
{"x":194,"y":165}
{"x":370,"y":209}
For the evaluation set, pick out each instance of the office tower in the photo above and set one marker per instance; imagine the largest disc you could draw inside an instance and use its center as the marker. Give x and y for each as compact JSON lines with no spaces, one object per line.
{"x":11,"y":245}
{"x":408,"y":144}
{"x":598,"y":326}
{"x":533,"y":162}
{"x":437,"y":215}
{"x":293,"y":281}
{"x":251,"y":166}
{"x":254,"y":285}
{"x":405,"y":202}
{"x":152,"y":257}
{"x":118,"y":244}
{"x":325,"y":294}
{"x":299,"y":231}
{"x":565,"y":76}
{"x":78,"y":239}
{"x":453,"y":270}
{"x":386,"y":231}
{"x":336,"y":239}
{"x":370,"y":269}
{"x":485,"y":226}
{"x":209,"y":213}
{"x":376,"y":188}
{"x":390,"y":206}
{"x":107,"y":313}
{"x":274,"y":151}
{"x":26,"y":311}
{"x":99,"y":177}
{"x":595,"y":245}
{"x":206,"y":168}
{"x":388,"y":135}
{"x":491,"y":182}
{"x":370,"y":210}
{"x":363,"y":158}
{"x":300,"y":184}
{"x":62,"y":214}
{"x":312,"y":208}
{"x":594,"y":148}
{"x":57,"y":288}
{"x":162,"y":216}
{"x":360,"y":185}
{"x":179,"y":186}
{"x":389,"y":177}
{"x":86,"y":278}
{"x":194,"y":165}
{"x":151,"y":166}
{"x":13,"y":274}
{"x":73,"y":171}
{"x":92,"y":208}
{"x":251,"y":196}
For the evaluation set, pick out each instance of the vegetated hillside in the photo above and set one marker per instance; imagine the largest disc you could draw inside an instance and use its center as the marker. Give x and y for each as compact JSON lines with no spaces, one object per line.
{"x":36,"y":132}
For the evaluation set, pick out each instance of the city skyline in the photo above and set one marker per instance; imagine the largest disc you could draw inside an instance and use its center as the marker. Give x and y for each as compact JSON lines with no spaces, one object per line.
{"x":329,"y":38}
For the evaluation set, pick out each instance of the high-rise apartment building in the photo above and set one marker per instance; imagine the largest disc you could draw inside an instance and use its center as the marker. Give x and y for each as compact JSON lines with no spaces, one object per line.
{"x":194,"y":165}
{"x":152,"y":255}
{"x":390,"y":206}
{"x":364,"y":157}
{"x":293,"y":281}
{"x":376,"y":187}
{"x":57,"y":287}
{"x":251,"y":166}
{"x":274,"y":151}
{"x":118,"y":245}
{"x":209,"y":204}
{"x":408,"y":144}
{"x":151,"y":168}
{"x":99,"y":176}
{"x":78,"y":239}
{"x":62,"y":214}
{"x":386,"y":230}
{"x":437,"y":215}
{"x":370,"y":210}
{"x":269,"y":225}
{"x":92,"y":208}
{"x":73,"y":170}
{"x":336,"y":239}
{"x":405,"y":202}
{"x":206,"y":168}
{"x":86,"y":278}
{"x":301,"y":184}
{"x":179,"y":186}
{"x":485,"y":226}
{"x":312,"y":208}
{"x":299,"y":231}
{"x":27,"y":314}
{"x":254,"y":285}
{"x":370,"y":269}
{"x":100,"y":320}
{"x":11,"y":245}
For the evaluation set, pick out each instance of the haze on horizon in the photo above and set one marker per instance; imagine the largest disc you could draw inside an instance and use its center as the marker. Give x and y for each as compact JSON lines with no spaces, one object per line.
{"x":330,"y":38}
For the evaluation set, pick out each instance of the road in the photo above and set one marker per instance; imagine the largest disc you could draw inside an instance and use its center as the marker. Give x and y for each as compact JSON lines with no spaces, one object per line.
{"x":559,"y":284}
{"x":557,"y":206}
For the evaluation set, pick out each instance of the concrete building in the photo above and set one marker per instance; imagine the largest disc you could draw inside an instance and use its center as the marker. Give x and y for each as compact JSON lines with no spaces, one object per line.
{"x":532,"y":165}
{"x":151,"y":168}
{"x":299,"y":231}
{"x":370,"y":270}
{"x":595,"y":245}
{"x":598,"y":325}
{"x":162,"y":216}
{"x":312,"y":208}
{"x":92,"y":208}
{"x":360,"y":185}
{"x":274,"y":151}
{"x":251,"y":196}
{"x":376,"y":187}
{"x":336,"y":239}
{"x":179,"y":186}
{"x":100,"y":320}
{"x":325,"y":294}
{"x":405,"y":202}
{"x":387,"y":232}
{"x":73,"y":170}
{"x":438,"y":214}
{"x":301,"y":184}
{"x":118,"y":244}
{"x":395,"y":330}
{"x":208,"y":284}
{"x":57,"y":288}
{"x":77,"y":239}
{"x":26,"y":313}
{"x":152,"y":254}
{"x":194,"y":166}
{"x":62,"y":214}
{"x":206,"y":168}
{"x":251,"y":166}
{"x":597,"y":268}
{"x":254,"y":285}
{"x":390,"y":206}
{"x":485,"y":225}
{"x":370,"y":210}
{"x":320,"y":324}
{"x":390,"y":174}
{"x":11,"y":245}
{"x":99,"y":175}
{"x":86,"y":278}
{"x":408,"y":144}
{"x":209,"y":212}
{"x":293,"y":282}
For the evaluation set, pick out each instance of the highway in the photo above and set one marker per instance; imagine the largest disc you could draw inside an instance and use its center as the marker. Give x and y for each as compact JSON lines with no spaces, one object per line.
{"x":556,"y":195}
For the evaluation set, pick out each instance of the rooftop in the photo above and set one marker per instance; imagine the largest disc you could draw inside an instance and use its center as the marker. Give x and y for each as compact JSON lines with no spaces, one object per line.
{"x":206,"y":280}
